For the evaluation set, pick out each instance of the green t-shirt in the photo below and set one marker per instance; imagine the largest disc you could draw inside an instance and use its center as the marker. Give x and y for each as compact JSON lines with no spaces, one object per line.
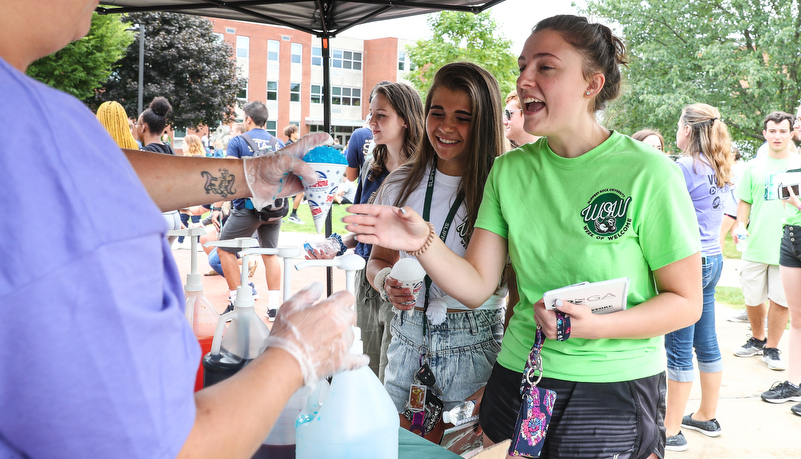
{"x":792,"y":216}
{"x":765,"y":227}
{"x":619,"y":210}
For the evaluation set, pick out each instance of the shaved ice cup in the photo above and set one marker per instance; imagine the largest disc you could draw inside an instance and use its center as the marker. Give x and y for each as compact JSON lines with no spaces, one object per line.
{"x":330,"y":164}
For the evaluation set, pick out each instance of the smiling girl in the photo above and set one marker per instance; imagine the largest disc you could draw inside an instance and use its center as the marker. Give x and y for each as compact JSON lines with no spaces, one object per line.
{"x":444,"y":181}
{"x":607,"y":370}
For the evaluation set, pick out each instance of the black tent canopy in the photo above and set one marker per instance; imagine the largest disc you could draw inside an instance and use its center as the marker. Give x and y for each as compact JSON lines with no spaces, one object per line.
{"x":323,"y":18}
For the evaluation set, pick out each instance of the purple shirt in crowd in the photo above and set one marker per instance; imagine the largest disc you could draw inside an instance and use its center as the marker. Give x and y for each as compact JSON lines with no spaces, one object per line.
{"x":96,"y":357}
{"x":708,"y":200}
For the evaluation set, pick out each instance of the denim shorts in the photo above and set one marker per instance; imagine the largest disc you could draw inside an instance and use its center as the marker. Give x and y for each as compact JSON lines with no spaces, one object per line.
{"x":462,"y":351}
{"x":790,"y":255}
{"x":701,"y":336}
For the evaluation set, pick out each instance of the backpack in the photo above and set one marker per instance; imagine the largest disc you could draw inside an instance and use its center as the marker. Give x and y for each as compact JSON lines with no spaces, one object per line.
{"x":279,"y":208}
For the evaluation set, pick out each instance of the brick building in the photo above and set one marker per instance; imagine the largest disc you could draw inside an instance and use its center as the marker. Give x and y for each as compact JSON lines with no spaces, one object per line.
{"x":284,"y":70}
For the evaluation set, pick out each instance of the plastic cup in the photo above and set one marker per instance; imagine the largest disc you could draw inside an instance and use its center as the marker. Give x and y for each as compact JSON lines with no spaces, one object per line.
{"x":410,"y":274}
{"x":330,"y":164}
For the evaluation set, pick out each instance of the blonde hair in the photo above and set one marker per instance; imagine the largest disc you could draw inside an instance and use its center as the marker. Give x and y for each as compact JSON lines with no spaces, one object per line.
{"x":193,"y":146}
{"x":708,"y":141}
{"x":113,"y":117}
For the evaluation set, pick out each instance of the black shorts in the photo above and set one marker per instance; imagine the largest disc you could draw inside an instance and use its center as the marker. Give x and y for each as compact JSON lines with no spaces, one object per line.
{"x":244,"y":222}
{"x":790,"y":253}
{"x":623,"y":419}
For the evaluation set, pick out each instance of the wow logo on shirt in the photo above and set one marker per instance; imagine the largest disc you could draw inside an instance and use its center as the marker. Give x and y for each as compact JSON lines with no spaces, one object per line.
{"x":606,"y":214}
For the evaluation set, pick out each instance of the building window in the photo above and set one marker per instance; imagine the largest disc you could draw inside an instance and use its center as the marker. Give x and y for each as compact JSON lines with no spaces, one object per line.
{"x":346,"y":96}
{"x":285,"y":37}
{"x":242,"y":47}
{"x":272,"y":128}
{"x":243,"y":94}
{"x":340,"y":59}
{"x":317,"y":55}
{"x":272,"y":50}
{"x":230,"y":30}
{"x":219,"y":36}
{"x":297,"y":53}
{"x":294,"y":92}
{"x":401,"y":61}
{"x":316,"y":94}
{"x":272,"y":90}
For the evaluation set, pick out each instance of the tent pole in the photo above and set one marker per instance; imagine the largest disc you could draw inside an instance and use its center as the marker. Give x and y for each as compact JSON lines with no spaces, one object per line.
{"x":329,"y":271}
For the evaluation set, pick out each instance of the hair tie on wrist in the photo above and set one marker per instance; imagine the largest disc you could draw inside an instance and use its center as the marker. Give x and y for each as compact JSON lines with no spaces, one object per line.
{"x":432,"y":233}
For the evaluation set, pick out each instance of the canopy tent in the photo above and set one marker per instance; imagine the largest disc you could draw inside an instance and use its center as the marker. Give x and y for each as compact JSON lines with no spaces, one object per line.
{"x":324,"y":19}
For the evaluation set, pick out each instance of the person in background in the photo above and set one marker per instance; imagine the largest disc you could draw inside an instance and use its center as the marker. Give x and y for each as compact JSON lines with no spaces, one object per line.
{"x":730,"y":207}
{"x":513,"y":122}
{"x":761,"y":220}
{"x":150,"y":128}
{"x":192,"y":147}
{"x":706,"y":164}
{"x":110,"y":349}
{"x":291,"y":133}
{"x":650,"y":137}
{"x":245,"y":218}
{"x":597,"y":219}
{"x":113,"y":117}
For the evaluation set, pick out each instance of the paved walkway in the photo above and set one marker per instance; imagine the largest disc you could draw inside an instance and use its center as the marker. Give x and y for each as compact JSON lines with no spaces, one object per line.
{"x":751,"y":427}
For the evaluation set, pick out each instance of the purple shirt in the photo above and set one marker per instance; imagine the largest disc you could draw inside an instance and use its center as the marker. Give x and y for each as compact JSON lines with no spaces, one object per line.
{"x":708,"y":200}
{"x":97,"y":359}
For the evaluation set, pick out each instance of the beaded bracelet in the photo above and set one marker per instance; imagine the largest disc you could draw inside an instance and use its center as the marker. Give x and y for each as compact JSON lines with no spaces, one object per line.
{"x":432,"y":233}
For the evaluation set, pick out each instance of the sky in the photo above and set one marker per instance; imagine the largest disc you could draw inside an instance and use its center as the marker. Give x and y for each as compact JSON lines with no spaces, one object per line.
{"x":515,"y":19}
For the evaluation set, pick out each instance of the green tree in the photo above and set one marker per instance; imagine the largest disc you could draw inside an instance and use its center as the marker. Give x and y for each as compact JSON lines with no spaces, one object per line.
{"x":741,"y":56}
{"x":82,"y":66}
{"x":184,"y":62}
{"x":458,"y":36}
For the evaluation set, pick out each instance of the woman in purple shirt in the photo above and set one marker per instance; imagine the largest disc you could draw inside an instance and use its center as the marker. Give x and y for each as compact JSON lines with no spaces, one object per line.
{"x":706,"y":164}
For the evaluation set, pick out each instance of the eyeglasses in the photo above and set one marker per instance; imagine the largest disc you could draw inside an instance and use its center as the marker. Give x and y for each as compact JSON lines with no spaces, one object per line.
{"x":507,"y":114}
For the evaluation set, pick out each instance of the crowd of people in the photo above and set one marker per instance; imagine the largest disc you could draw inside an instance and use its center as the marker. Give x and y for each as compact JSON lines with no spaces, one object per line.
{"x":500,"y":200}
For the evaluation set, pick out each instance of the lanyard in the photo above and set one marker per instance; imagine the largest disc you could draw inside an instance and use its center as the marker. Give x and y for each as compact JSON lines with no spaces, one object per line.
{"x":534,"y":362}
{"x":443,"y":234}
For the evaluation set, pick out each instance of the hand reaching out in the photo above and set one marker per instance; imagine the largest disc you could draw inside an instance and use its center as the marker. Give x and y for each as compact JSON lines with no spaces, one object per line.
{"x":390,"y":227}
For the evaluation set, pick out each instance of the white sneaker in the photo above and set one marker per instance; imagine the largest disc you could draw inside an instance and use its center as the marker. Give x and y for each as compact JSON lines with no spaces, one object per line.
{"x":739,"y":316}
{"x":773,"y":357}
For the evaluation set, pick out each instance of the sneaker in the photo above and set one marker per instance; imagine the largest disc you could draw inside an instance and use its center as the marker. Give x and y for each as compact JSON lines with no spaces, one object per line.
{"x":271,"y":313}
{"x":782,"y":392}
{"x":294,"y":219}
{"x":229,"y":308}
{"x":751,"y":347}
{"x":253,"y":291}
{"x":796,"y":409}
{"x":676,"y":443}
{"x":739,"y":316}
{"x":773,"y":357}
{"x":709,"y":428}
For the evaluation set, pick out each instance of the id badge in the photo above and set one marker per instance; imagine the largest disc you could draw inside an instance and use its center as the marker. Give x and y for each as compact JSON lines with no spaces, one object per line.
{"x":417,"y":398}
{"x":532,"y":422}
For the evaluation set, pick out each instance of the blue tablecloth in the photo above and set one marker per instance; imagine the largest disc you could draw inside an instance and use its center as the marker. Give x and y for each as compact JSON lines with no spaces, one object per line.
{"x":411,"y":446}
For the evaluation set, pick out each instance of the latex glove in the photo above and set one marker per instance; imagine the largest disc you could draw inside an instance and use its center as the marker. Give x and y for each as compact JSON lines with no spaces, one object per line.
{"x":437,"y":309}
{"x":318,"y":336}
{"x":283,"y":174}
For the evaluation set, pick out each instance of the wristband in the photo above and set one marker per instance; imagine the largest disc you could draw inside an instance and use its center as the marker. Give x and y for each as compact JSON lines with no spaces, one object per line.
{"x":379,"y":280}
{"x":432,"y":234}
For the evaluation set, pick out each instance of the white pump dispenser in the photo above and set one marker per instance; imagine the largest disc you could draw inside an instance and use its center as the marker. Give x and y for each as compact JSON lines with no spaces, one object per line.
{"x":199,"y":311}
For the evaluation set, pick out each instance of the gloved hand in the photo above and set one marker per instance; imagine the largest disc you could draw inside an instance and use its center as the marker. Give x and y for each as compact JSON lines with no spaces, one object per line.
{"x":276,"y":176}
{"x":318,"y":336}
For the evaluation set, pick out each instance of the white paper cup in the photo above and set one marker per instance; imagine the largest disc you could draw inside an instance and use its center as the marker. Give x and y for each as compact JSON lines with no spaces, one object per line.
{"x":320,"y":196}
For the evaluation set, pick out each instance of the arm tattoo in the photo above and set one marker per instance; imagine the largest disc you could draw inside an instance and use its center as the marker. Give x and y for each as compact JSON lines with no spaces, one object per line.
{"x":222,"y":185}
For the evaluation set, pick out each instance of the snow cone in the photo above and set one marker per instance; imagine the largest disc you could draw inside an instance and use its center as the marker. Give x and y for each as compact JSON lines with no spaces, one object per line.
{"x":330,"y":165}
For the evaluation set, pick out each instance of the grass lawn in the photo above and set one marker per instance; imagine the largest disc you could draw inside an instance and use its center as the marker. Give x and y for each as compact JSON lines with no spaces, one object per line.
{"x":730,"y":296}
{"x":337,"y":212}
{"x":730,"y":250}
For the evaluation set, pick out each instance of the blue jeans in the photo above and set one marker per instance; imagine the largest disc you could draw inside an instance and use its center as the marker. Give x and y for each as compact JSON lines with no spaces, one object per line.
{"x":214,"y":262}
{"x":701,"y":336}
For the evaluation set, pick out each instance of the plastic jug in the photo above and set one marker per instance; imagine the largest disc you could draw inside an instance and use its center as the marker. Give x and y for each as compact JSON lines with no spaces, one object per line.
{"x":244,"y":339}
{"x":356,"y":418}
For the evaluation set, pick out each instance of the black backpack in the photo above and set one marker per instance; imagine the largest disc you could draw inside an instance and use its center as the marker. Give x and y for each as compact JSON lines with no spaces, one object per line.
{"x":279,"y":208}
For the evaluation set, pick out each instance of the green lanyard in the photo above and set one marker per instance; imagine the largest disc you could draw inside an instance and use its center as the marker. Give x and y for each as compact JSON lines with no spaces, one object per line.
{"x":442,"y":234}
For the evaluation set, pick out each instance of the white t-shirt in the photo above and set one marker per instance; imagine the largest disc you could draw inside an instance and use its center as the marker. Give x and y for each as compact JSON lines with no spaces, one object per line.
{"x":445,"y":189}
